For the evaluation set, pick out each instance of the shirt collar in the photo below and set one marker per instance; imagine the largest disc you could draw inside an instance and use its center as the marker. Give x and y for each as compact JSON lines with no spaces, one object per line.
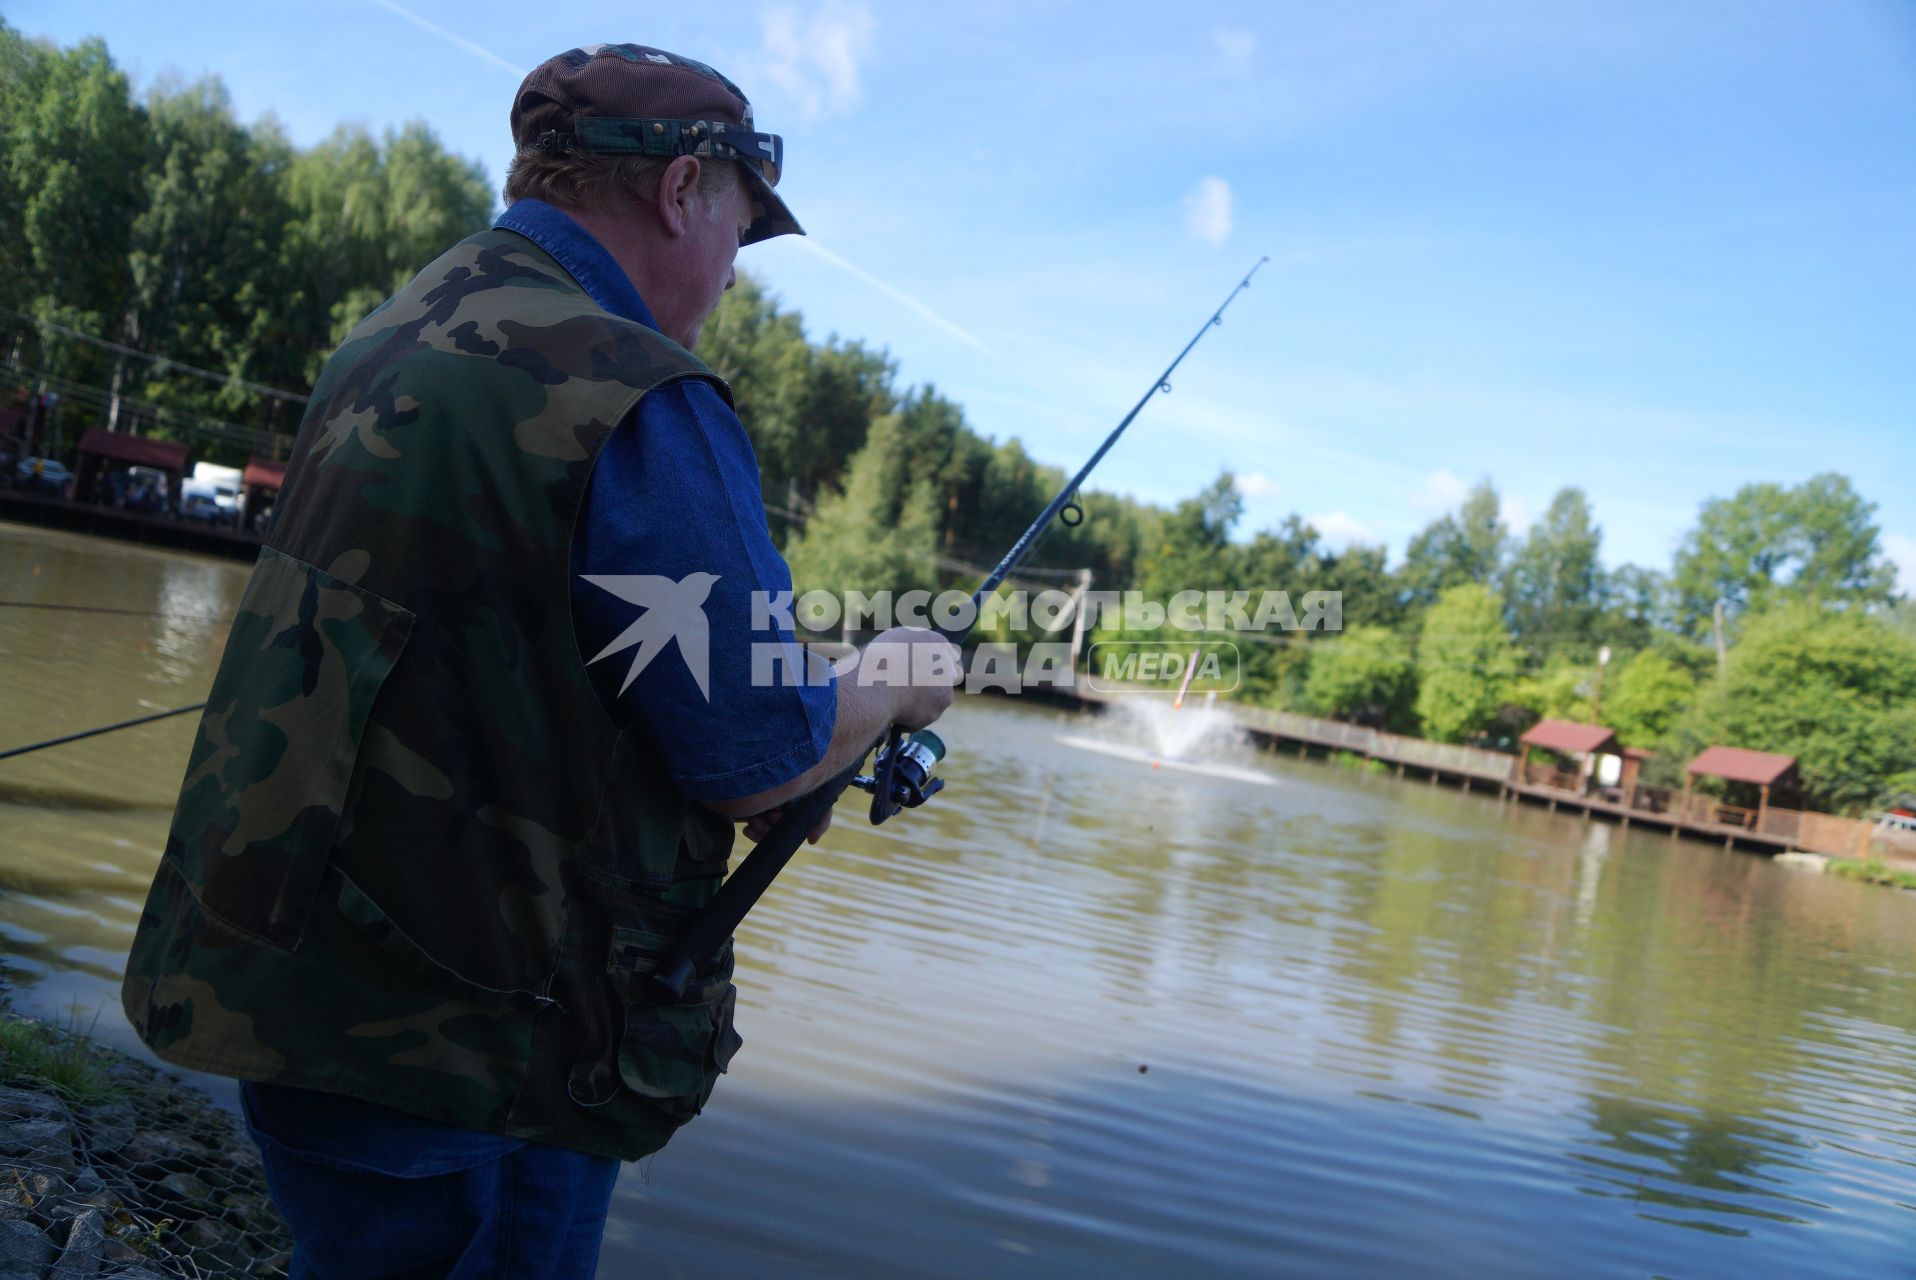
{"x":583,"y":257}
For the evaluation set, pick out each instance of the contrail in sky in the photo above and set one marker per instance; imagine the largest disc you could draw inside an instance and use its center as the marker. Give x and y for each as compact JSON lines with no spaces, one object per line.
{"x":476,"y":50}
{"x":891,"y":291}
{"x":896,"y":294}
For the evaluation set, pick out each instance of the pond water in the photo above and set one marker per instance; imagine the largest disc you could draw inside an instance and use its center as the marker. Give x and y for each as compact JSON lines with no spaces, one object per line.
{"x":1229,"y":1015}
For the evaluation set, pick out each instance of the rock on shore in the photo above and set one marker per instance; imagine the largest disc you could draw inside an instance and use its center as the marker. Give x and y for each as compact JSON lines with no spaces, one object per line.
{"x":152,"y":1182}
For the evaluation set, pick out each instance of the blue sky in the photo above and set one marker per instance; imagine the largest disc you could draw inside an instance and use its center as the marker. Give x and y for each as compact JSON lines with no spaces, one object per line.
{"x":1658,"y":251}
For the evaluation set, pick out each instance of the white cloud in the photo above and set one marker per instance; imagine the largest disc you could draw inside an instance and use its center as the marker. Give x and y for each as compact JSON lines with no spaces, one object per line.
{"x":1258,"y":487}
{"x":1237,"y":45}
{"x":1207,"y":211}
{"x":813,"y":57}
{"x":1441,"y":490}
{"x":1518,"y":514}
{"x":1901,"y":549}
{"x":1341,"y":530}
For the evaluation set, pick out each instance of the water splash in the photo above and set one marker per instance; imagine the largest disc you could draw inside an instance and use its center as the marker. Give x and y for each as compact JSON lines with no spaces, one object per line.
{"x":1196,"y":739}
{"x":1196,"y":733}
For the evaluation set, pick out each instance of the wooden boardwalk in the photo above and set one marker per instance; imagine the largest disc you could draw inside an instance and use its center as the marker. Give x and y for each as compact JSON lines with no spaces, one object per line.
{"x":1475,"y":768}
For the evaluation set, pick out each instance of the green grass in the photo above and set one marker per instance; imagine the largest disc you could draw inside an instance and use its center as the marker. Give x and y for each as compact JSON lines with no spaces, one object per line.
{"x":1872,"y":872}
{"x":51,"y":1056}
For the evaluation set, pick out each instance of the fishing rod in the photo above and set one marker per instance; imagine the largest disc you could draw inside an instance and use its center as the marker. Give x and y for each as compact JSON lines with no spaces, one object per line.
{"x":105,"y":728}
{"x":901,"y":777}
{"x":103,"y":608}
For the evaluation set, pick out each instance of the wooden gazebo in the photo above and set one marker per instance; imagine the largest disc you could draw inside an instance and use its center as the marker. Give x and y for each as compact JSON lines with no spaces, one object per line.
{"x":260,"y":482}
{"x":1761,"y":769}
{"x":98,"y":447}
{"x":1568,"y":738}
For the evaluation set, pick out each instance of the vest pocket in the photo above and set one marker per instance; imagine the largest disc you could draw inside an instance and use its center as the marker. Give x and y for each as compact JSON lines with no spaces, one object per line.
{"x":674,"y":1054}
{"x":268,"y":776}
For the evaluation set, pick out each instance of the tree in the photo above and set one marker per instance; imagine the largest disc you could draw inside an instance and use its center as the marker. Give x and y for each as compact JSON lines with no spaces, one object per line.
{"x":878,"y":534}
{"x":1466,"y":663}
{"x":1194,"y":550}
{"x":1836,"y":688}
{"x":1646,"y":694}
{"x":1769,"y":544}
{"x":203,"y":255}
{"x":73,"y":166}
{"x":1564,"y":689}
{"x":1554,"y":581}
{"x":367,"y":215}
{"x":1455,"y":549}
{"x":1636,"y":606}
{"x":1364,"y":674}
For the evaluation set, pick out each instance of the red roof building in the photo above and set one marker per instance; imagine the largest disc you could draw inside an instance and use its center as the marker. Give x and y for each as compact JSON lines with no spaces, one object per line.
{"x":1571,"y":738}
{"x":1761,"y":769}
{"x":1739,"y":764}
{"x":98,"y":447}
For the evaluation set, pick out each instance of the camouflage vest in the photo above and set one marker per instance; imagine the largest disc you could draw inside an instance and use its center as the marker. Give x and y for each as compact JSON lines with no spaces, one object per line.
{"x":414,"y":860}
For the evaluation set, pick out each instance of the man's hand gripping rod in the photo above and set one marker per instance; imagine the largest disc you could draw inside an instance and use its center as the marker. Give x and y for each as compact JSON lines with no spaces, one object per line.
{"x":706,"y":932}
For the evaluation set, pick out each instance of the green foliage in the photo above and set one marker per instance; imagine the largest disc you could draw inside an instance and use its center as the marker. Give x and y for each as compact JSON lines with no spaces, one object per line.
{"x":172,"y":229}
{"x":1453,"y":550}
{"x":73,"y":164}
{"x":1770,"y":545}
{"x":1554,"y":582}
{"x":1835,"y":688}
{"x":1564,"y":690}
{"x":1466,"y":663}
{"x":879,"y":533}
{"x":365,"y":215}
{"x":1873,"y":871}
{"x":1645,"y":695}
{"x":1364,"y":674}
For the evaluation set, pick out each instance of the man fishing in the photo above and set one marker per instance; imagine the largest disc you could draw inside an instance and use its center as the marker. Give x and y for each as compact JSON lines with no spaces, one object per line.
{"x":487,"y":714}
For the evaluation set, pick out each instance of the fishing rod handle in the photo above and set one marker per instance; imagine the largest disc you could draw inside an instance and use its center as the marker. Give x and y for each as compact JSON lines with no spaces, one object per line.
{"x":719,"y":919}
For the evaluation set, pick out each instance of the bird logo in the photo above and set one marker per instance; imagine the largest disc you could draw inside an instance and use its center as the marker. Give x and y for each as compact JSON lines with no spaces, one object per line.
{"x":672,"y":611}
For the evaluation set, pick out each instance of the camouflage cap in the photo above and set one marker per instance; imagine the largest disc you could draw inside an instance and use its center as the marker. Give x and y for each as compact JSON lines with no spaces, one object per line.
{"x":628,"y":99}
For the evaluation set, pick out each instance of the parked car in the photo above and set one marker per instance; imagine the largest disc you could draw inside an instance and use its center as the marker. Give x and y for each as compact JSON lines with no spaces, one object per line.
{"x":204,"y":507}
{"x":45,"y":475}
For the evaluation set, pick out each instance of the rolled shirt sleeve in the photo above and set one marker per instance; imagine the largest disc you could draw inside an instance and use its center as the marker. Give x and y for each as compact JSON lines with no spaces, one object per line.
{"x":675,"y":496}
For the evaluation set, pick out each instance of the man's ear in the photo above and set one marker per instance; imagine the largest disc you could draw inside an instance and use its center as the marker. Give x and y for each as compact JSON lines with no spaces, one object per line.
{"x":678,"y":188}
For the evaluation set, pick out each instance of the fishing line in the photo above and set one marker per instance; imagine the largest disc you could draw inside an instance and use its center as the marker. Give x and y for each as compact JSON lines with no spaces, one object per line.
{"x":901,"y":775}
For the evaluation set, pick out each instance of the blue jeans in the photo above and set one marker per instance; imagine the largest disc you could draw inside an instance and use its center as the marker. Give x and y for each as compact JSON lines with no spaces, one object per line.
{"x":374,"y":1194}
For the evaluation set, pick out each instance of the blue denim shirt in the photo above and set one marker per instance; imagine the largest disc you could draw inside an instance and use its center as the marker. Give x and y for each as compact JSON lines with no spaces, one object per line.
{"x":675,"y":492}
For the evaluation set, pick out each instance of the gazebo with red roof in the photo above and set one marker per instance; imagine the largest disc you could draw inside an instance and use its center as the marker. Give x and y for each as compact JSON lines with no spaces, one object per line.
{"x":1568,"y":738}
{"x":261,"y":478}
{"x":100,"y":446}
{"x":1761,"y":769}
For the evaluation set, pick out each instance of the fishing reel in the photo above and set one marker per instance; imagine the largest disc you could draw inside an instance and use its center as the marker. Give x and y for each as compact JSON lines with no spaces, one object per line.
{"x":901,"y":776}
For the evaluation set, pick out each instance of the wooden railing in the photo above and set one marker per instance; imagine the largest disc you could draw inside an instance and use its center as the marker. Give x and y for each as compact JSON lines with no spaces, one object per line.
{"x":1393,"y":747}
{"x":1802,"y":828}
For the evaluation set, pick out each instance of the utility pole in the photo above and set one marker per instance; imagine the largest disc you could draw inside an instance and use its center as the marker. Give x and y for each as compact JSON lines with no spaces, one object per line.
{"x":1722,"y":656}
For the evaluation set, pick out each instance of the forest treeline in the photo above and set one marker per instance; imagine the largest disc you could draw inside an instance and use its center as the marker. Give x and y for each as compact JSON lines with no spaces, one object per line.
{"x":161,"y":224}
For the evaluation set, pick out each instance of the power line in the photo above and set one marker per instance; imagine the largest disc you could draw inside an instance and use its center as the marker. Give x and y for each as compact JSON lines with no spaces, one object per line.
{"x":164,"y":364}
{"x":81,"y":393}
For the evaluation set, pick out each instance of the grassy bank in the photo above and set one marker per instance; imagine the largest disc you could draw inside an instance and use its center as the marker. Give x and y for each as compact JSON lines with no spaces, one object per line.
{"x":1874,"y":871}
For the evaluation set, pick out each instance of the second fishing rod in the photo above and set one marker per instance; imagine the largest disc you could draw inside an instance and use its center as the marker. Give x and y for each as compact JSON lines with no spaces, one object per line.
{"x":901,"y":775}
